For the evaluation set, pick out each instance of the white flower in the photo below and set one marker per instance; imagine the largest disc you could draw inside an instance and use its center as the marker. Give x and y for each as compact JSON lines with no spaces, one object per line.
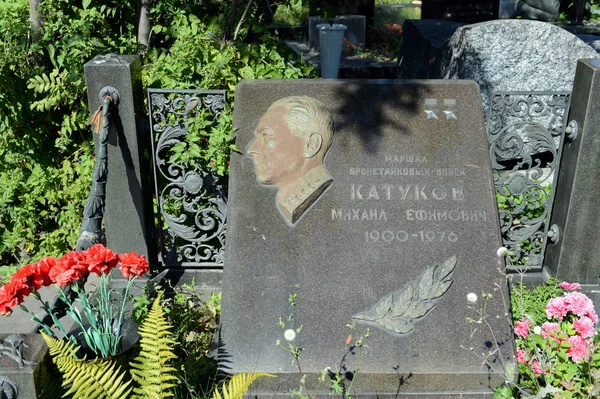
{"x":502,"y":251}
{"x":537,"y":330}
{"x":472,"y":297}
{"x":289,"y":334}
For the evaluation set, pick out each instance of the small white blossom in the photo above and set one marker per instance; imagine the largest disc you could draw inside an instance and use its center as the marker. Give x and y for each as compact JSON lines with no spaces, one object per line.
{"x":289,"y":334}
{"x":472,"y":297}
{"x":502,"y":251}
{"x":537,"y":330}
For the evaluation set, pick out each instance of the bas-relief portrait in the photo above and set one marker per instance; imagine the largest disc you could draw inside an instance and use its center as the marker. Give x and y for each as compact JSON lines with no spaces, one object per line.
{"x":288,"y":150}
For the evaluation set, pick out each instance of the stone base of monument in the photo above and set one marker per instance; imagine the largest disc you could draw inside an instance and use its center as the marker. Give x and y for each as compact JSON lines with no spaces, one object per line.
{"x":20,"y":355}
{"x":402,"y":242}
{"x":384,"y":386}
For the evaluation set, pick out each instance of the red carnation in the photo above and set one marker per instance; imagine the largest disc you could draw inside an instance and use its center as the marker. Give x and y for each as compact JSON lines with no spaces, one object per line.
{"x":71,"y":267}
{"x":100,"y":259}
{"x":43,"y":268}
{"x":27,"y":275}
{"x":12,"y":294}
{"x":35,"y":275}
{"x":7,"y":301}
{"x":133,"y":264}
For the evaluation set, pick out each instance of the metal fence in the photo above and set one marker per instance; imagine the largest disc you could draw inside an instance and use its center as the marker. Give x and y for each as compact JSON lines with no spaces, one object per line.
{"x":191,"y":202}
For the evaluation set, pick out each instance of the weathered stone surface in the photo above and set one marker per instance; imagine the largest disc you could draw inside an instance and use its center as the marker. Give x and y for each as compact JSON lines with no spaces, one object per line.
{"x":423,"y":42}
{"x":513,"y":55}
{"x":129,"y":214}
{"x":411,"y":188}
{"x":576,"y":255}
{"x":33,"y":348}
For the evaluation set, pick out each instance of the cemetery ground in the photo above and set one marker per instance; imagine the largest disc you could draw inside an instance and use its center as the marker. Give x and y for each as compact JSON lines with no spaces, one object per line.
{"x":389,"y":281}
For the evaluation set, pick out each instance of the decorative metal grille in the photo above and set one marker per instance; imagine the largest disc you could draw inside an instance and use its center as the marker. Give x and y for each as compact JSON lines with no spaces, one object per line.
{"x":191,"y":202}
{"x":526,"y":133}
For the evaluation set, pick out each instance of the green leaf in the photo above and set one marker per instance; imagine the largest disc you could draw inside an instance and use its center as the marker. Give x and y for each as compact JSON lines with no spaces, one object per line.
{"x":86,"y":3}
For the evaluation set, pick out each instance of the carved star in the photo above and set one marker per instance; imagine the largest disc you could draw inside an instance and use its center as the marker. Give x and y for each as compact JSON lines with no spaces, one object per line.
{"x":450,"y":115}
{"x":431,"y":114}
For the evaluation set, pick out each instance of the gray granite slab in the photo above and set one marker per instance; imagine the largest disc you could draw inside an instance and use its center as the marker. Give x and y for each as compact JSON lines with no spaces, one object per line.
{"x":20,"y":376}
{"x":576,"y":254}
{"x":128,"y":216}
{"x":411,"y":188}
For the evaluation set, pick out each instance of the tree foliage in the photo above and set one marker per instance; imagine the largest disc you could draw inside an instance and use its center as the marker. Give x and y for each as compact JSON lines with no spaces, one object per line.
{"x":46,"y":149}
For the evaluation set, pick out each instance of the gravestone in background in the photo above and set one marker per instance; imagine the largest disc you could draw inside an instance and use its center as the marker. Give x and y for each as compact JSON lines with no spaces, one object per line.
{"x":423,"y":44}
{"x":470,"y":11}
{"x":512,"y":55}
{"x":348,"y":7}
{"x":392,"y":233}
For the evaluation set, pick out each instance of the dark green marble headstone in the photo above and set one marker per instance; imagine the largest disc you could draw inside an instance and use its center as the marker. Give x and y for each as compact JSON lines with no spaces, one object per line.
{"x":411,"y":189}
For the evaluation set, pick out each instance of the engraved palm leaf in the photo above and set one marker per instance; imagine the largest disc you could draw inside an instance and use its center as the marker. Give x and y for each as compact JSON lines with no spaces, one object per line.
{"x":397,"y":312}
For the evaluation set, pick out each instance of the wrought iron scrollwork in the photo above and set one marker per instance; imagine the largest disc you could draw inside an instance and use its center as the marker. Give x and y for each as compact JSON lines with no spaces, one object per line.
{"x":192,"y":204}
{"x":12,"y":347}
{"x":526,"y":133}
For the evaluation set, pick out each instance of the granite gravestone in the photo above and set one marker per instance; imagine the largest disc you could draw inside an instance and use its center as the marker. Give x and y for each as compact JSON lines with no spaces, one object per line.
{"x":405,"y":186}
{"x":470,"y":11}
{"x":512,"y":55}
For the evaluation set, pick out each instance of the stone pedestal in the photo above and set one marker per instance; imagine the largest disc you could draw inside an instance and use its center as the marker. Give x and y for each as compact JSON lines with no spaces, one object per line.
{"x":576,"y":254}
{"x":129,"y":214}
{"x":16,"y":377}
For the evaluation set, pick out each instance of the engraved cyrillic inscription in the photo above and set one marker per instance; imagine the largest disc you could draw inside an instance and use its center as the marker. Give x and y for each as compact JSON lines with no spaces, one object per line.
{"x":408,"y":158}
{"x":390,"y":172}
{"x":404,"y":236}
{"x":358,"y":214}
{"x":454,"y":215}
{"x":415,"y":192}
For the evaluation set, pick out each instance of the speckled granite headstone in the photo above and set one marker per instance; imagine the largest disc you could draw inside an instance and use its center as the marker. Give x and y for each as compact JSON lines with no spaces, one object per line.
{"x":391,"y":231}
{"x":513,"y":55}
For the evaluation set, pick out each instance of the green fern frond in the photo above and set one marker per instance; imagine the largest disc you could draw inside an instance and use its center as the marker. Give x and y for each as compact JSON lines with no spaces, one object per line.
{"x":48,"y":379}
{"x":152,"y":369}
{"x":238,"y":385}
{"x":97,"y":379}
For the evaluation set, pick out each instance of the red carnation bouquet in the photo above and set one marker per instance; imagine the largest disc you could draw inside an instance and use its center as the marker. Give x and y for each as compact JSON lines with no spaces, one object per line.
{"x":99,"y":318}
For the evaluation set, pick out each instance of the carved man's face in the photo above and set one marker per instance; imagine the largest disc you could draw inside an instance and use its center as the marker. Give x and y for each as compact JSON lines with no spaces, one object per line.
{"x":278,"y":155}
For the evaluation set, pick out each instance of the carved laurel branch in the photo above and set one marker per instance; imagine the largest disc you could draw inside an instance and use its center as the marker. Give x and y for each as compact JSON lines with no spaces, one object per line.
{"x":397,"y":312}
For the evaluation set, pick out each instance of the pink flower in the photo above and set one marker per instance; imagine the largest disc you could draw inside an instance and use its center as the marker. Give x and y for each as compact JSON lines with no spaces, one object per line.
{"x":578,"y":349}
{"x":579,"y":303}
{"x":549,"y":329}
{"x":521,"y":356}
{"x":569,"y":286}
{"x":557,"y":307}
{"x":584,"y":327}
{"x":522,"y":328}
{"x":537,"y":368}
